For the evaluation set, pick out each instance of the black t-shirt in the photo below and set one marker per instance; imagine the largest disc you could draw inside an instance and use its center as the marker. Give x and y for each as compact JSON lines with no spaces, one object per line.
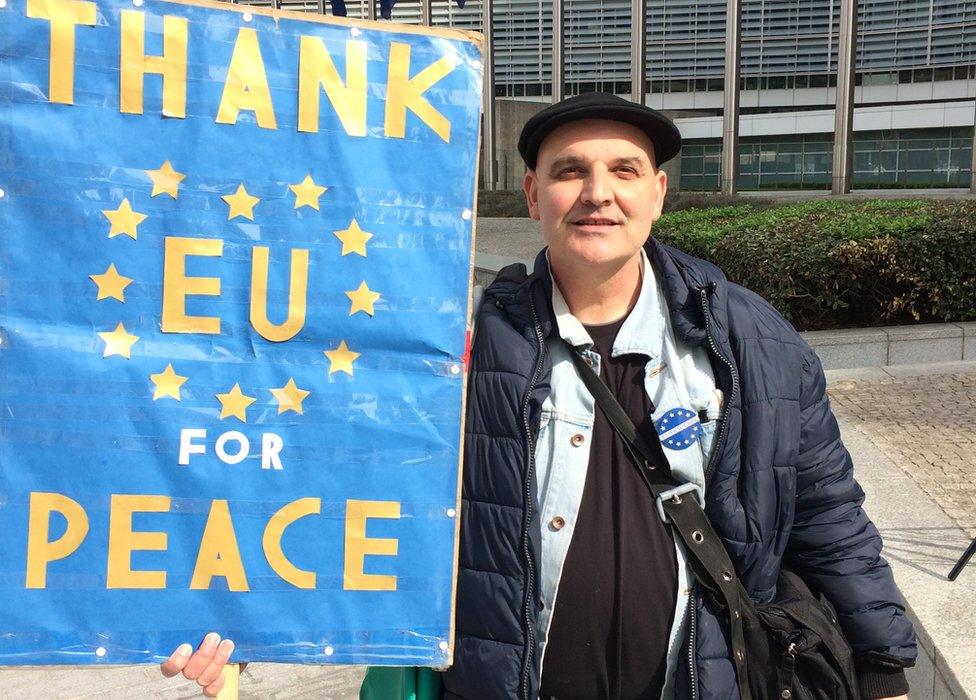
{"x":616,"y":597}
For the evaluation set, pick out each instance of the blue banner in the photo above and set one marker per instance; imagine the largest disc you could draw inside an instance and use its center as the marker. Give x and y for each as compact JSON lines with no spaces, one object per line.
{"x":235,"y":250}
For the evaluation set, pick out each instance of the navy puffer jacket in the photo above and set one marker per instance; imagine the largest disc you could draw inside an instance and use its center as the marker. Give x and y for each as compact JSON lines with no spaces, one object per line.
{"x":780,"y":487}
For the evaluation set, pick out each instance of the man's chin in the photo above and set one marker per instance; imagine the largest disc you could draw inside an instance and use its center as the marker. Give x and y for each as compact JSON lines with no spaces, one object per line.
{"x":594,"y":257}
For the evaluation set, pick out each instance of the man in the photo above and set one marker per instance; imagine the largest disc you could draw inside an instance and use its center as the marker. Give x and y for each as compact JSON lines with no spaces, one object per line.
{"x":569,"y":583}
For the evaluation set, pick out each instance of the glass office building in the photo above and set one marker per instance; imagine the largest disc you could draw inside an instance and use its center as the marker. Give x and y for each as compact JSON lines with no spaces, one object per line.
{"x":914,"y":96}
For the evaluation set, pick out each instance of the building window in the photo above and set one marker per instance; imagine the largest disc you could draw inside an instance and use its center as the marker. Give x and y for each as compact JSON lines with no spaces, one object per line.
{"x":922,"y":75}
{"x":882,"y":159}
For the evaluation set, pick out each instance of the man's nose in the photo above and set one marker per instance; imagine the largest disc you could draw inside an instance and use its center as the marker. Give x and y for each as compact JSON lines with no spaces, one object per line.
{"x":597,"y":188}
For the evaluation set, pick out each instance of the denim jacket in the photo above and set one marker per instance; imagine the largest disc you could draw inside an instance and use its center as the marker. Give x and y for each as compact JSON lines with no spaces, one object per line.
{"x":676,"y":377}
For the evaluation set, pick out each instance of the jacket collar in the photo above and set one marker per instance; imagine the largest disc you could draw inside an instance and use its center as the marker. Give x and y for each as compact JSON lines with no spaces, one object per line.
{"x":643,"y":331}
{"x":681,"y":279}
{"x":684,"y":281}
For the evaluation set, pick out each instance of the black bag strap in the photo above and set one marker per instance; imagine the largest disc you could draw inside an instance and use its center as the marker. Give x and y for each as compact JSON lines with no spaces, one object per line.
{"x":708,"y":557}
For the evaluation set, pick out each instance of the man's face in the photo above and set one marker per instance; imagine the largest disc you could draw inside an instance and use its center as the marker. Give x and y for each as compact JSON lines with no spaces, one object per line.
{"x":596,"y":192}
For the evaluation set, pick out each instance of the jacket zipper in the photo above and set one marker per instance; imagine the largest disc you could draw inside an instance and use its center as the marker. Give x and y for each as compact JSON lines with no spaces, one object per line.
{"x":716,"y":449}
{"x":692,"y":627}
{"x":530,"y":468}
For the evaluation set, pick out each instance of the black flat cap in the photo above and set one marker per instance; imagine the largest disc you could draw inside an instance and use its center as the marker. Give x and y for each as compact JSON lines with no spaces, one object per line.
{"x":600,"y":105}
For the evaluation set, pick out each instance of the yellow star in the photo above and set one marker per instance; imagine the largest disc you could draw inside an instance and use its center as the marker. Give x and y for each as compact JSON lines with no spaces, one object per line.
{"x":289,"y":397}
{"x":341,"y":359}
{"x":111,"y":284}
{"x":362,"y":299}
{"x":118,"y":342}
{"x":165,"y":180}
{"x":235,"y":403}
{"x":307,"y":193}
{"x":168,"y":383}
{"x":124,"y":220}
{"x":353,"y":239}
{"x":240,"y":203}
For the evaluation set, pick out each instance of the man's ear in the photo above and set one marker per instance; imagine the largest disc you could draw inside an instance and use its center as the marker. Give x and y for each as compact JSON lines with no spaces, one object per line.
{"x":530,"y":185}
{"x":661,"y":191}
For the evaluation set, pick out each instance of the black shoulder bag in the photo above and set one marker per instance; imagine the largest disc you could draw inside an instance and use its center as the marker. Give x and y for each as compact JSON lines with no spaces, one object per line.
{"x":789,"y":649}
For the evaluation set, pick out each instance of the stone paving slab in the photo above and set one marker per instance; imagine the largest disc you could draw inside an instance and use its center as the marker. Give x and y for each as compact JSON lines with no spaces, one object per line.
{"x":850,"y":347}
{"x":926,"y":342}
{"x":969,"y":340}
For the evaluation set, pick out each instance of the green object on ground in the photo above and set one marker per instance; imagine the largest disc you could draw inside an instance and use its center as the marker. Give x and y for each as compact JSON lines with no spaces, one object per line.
{"x":400,"y":683}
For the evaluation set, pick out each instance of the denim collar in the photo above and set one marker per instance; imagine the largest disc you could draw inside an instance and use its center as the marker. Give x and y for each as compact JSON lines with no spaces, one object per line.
{"x":642,"y":332}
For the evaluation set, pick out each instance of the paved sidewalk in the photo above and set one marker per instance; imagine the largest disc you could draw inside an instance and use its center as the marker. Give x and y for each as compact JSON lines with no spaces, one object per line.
{"x":258,"y":682}
{"x":912,"y":432}
{"x":925,"y":423}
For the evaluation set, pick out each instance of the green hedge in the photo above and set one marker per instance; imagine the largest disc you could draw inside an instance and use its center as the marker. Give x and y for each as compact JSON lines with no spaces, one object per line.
{"x":837,"y":263}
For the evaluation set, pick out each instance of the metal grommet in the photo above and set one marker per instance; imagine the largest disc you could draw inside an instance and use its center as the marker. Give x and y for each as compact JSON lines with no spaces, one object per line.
{"x":557,"y":523}
{"x":727,"y":575}
{"x":786,"y":694}
{"x":739,"y":655}
{"x":577,"y":439}
{"x":735,"y":614}
{"x":697,"y":536}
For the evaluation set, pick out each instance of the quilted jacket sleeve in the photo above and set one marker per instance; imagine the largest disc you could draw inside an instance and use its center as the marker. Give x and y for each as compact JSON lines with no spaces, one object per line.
{"x":834,"y":546}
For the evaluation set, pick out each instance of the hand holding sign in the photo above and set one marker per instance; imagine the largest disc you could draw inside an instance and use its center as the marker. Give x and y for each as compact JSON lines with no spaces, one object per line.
{"x":204,"y":665}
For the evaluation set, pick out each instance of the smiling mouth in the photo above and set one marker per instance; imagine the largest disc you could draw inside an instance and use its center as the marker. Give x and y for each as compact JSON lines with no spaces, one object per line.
{"x":594,"y":221}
